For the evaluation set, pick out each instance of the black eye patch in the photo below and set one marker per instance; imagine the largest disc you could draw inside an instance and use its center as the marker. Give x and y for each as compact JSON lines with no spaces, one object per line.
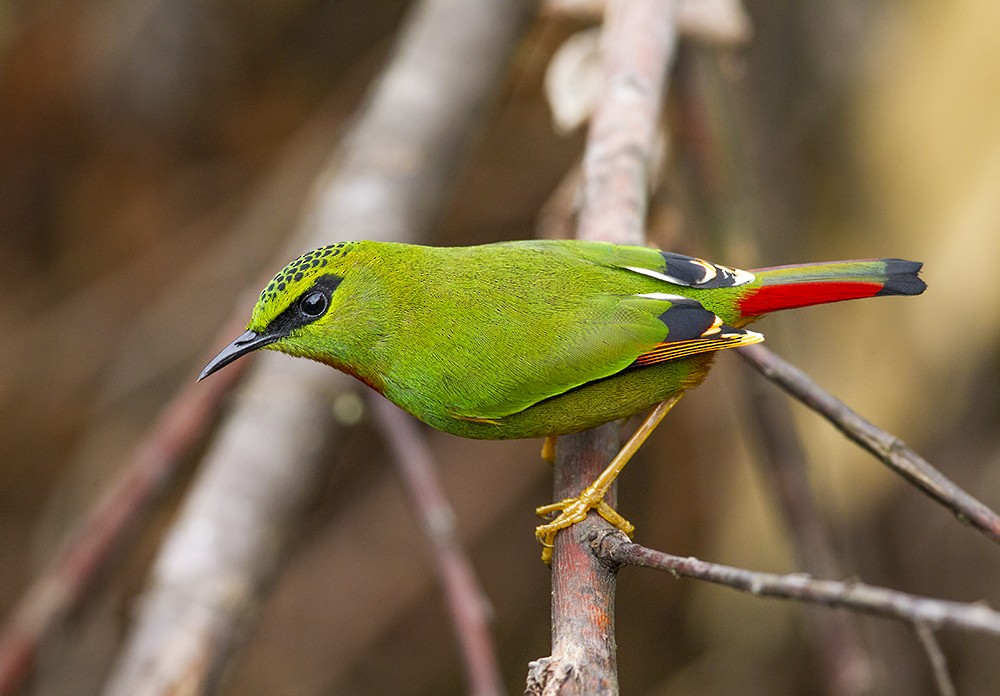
{"x":307,"y":308}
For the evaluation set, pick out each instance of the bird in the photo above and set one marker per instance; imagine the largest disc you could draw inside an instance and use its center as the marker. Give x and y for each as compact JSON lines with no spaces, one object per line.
{"x":534,"y":338}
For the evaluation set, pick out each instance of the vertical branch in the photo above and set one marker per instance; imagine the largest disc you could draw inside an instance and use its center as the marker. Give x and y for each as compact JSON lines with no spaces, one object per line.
{"x":639,"y":39}
{"x":730,"y":202}
{"x":939,"y":664}
{"x":848,"y":667}
{"x":637,"y":46}
{"x":583,"y":657}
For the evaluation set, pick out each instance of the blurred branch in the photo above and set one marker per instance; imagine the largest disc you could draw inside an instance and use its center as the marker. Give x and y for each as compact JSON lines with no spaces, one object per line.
{"x":717,"y":22}
{"x":939,"y":665}
{"x":112,"y":522}
{"x":387,"y":180}
{"x":466,"y":600}
{"x":888,"y":448}
{"x":557,"y":217}
{"x":638,"y":44}
{"x":88,"y":548}
{"x":725,"y":194}
{"x":848,"y":667}
{"x":935,"y":613}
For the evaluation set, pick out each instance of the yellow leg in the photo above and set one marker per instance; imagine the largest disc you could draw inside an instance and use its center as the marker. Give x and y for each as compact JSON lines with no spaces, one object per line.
{"x":573,"y":510}
{"x":549,"y":449}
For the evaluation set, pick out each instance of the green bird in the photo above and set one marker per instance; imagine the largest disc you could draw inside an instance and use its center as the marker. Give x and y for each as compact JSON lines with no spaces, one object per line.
{"x":532,"y":338}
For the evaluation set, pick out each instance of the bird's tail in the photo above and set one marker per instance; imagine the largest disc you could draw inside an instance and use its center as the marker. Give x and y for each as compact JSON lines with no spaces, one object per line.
{"x":787,"y":287}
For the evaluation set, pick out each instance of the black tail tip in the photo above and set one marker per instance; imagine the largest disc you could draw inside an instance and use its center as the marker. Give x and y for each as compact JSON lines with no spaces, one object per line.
{"x":901,"y":278}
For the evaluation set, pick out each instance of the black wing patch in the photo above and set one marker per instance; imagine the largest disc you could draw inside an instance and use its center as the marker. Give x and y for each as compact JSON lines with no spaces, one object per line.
{"x":687,"y":319}
{"x":692,"y":329}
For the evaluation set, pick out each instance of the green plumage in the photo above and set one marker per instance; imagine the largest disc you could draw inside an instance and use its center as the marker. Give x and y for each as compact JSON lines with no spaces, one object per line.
{"x":517,"y":339}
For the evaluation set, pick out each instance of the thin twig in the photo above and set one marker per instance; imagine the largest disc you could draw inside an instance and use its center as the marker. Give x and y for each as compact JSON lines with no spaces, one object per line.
{"x":939,"y":665}
{"x":886,"y":447}
{"x":638,"y":44}
{"x":89,"y":546}
{"x":466,"y":600}
{"x":935,"y":613}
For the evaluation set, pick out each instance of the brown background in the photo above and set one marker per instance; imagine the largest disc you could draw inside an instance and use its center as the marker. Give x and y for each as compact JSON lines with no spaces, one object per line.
{"x":154,"y":155}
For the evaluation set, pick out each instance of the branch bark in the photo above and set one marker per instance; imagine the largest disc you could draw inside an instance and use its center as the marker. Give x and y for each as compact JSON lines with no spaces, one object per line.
{"x":721,"y":23}
{"x":639,"y":41}
{"x":388,"y":180}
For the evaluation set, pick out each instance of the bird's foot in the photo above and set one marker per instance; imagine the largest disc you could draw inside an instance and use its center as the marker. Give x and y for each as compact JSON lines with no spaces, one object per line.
{"x":574,"y":510}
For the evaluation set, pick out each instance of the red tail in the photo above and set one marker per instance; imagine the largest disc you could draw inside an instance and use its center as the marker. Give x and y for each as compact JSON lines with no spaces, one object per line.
{"x":788,"y":287}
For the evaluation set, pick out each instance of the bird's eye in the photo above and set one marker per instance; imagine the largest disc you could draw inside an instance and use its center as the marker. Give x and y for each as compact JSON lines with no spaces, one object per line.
{"x":314,"y":304}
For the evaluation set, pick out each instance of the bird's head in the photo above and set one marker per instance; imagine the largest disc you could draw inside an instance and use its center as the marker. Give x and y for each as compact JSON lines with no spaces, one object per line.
{"x":294,"y":306}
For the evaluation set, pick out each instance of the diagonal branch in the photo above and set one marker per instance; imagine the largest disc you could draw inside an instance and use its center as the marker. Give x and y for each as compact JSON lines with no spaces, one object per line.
{"x":387,"y":180}
{"x":886,"y":447}
{"x":154,"y":463}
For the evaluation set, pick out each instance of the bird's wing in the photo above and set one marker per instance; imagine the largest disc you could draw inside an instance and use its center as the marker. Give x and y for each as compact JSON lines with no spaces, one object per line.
{"x":599,"y":336}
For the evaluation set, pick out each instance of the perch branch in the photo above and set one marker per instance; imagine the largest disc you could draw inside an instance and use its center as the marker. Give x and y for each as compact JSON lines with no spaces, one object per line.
{"x":638,"y":44}
{"x":934,"y":613}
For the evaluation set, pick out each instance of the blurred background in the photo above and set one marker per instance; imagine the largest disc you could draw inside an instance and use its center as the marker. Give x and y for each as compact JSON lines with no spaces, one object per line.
{"x":155,"y":156}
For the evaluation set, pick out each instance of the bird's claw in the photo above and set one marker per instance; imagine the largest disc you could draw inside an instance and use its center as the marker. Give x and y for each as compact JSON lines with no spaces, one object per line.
{"x":572,"y":511}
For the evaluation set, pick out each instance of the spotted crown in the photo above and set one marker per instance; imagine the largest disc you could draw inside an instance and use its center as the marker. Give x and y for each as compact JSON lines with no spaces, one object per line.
{"x":293,"y":279}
